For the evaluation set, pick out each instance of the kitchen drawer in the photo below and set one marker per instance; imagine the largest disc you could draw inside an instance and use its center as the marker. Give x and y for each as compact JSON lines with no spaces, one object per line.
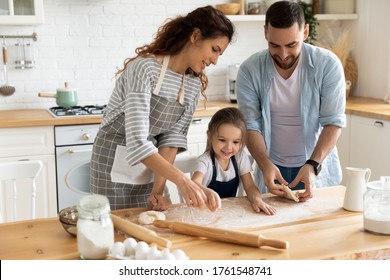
{"x":369,"y":145}
{"x":23,"y":141}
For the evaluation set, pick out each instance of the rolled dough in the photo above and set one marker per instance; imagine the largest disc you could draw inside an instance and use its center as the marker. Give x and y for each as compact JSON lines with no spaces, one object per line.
{"x":290,"y":194}
{"x":148,"y":217}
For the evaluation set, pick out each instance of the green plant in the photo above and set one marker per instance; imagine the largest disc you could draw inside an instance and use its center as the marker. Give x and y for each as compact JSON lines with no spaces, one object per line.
{"x":311,"y":20}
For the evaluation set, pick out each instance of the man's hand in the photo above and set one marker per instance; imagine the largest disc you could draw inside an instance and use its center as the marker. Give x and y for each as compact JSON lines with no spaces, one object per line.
{"x":305,"y":175}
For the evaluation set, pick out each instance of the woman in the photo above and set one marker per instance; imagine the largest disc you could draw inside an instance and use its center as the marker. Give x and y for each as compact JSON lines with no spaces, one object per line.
{"x":149,"y":112}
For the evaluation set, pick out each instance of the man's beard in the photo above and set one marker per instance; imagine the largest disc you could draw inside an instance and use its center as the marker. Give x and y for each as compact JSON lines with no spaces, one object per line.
{"x":285,"y":66}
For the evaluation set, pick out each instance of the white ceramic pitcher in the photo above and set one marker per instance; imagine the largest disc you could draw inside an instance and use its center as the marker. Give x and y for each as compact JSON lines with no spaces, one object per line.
{"x":356,"y":186}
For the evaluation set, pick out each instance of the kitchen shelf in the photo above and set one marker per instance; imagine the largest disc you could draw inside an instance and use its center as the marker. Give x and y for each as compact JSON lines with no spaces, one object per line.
{"x":22,"y":12}
{"x":240,"y":18}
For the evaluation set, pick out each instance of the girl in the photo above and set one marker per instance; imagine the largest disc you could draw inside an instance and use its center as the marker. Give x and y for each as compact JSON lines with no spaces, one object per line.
{"x":225,"y":163}
{"x":149,"y":112}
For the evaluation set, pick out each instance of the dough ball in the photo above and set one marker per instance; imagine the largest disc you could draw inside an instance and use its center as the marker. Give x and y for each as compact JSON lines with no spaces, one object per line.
{"x":290,"y":194}
{"x":148,"y":217}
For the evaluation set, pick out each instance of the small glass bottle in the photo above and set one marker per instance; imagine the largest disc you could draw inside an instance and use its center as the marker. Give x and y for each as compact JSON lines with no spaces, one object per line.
{"x":95,"y":229}
{"x":377,"y":206}
{"x":254,"y":8}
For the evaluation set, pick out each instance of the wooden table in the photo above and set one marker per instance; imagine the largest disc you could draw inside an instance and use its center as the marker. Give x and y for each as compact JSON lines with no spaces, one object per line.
{"x":330,"y":234}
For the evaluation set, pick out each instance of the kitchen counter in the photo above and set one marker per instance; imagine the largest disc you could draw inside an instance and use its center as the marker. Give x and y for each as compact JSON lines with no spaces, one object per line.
{"x":368,"y":107}
{"x":41,"y":117}
{"x":360,"y":106}
{"x":329,"y":232}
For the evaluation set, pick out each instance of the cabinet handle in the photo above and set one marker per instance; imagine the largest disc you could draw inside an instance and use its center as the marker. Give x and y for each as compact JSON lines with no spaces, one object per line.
{"x":71,"y":151}
{"x":378,"y":124}
{"x":197,"y":121}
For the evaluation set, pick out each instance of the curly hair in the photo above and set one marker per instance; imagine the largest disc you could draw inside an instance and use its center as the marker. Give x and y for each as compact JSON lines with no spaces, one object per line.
{"x":175,"y":33}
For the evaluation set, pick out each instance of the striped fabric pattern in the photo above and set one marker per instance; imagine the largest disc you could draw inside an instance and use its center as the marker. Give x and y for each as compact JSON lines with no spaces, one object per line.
{"x":142,"y":122}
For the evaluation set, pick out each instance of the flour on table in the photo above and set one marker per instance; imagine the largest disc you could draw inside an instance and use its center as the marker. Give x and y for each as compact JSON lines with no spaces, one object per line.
{"x":148,"y":217}
{"x":238,"y":212}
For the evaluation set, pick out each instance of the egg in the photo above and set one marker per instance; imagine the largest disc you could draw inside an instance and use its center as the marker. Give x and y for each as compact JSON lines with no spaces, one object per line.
{"x":180,"y":255}
{"x":130,"y":244}
{"x":166,"y":255}
{"x":153,"y":253}
{"x":141,"y":249}
{"x":117,"y":249}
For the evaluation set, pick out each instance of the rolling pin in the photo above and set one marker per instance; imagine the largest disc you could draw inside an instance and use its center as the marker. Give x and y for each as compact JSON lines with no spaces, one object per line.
{"x":139,"y":232}
{"x":225,"y":235}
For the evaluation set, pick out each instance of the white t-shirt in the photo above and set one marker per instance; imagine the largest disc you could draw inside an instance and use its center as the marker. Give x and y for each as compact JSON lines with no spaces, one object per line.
{"x":205,"y":166}
{"x":287,"y":142}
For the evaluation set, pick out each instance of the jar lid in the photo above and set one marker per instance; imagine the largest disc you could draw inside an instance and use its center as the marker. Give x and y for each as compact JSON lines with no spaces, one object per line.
{"x":93,"y":206}
{"x":379,"y":185}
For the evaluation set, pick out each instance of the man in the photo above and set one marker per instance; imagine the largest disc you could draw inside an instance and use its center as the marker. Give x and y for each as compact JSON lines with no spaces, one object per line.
{"x":293,"y":97}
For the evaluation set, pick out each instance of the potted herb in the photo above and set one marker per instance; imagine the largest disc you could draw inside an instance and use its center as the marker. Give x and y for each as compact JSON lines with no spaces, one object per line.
{"x":311,"y":20}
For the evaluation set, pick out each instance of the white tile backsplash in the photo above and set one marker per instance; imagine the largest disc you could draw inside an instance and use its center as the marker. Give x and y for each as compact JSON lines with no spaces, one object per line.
{"x":83,"y":42}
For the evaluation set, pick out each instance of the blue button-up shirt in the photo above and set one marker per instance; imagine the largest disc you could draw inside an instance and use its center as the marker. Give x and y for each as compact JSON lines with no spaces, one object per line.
{"x":322,"y":102}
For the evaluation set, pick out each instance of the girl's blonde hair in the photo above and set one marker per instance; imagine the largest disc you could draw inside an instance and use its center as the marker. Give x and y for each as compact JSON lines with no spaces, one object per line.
{"x":229,"y":115}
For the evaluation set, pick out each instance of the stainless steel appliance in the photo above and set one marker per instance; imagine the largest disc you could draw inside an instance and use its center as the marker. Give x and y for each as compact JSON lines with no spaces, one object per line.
{"x":232,"y":75}
{"x":85,"y":111}
{"x":73,"y":147}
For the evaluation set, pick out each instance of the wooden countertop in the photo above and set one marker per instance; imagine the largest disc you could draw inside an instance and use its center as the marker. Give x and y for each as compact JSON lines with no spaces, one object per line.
{"x":360,"y":106}
{"x":330,"y":233}
{"x":41,"y":117}
{"x":368,"y":107}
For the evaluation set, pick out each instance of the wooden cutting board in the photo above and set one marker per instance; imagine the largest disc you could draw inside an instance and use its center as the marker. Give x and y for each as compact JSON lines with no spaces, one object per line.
{"x":237,"y":213}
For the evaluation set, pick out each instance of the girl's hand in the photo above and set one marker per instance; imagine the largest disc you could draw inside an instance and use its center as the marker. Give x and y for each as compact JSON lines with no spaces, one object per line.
{"x":258,"y":204}
{"x":159,"y":202}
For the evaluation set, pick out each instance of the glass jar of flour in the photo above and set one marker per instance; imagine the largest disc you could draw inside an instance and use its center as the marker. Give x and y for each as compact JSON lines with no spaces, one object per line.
{"x":377,"y":206}
{"x":95,"y":230}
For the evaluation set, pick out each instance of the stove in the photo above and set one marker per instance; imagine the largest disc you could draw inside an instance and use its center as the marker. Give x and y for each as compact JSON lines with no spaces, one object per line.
{"x":84,"y":111}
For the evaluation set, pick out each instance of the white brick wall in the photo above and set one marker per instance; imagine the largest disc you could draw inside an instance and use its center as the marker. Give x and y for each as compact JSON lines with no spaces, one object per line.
{"x":83,"y":42}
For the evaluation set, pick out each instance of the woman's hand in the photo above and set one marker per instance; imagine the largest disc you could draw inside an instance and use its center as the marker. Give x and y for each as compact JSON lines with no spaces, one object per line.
{"x":159,"y":202}
{"x":213,"y":200}
{"x":196,"y":195}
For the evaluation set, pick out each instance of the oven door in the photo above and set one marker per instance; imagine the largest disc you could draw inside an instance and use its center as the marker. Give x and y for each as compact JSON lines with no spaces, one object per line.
{"x":72,"y":174}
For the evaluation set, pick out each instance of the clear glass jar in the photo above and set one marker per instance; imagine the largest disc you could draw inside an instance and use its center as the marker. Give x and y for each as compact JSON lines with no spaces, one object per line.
{"x":377,"y":206}
{"x":254,"y":8}
{"x":95,"y":229}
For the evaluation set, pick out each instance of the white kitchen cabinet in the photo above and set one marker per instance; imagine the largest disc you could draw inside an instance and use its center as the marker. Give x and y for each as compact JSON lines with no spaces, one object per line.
{"x":21,"y":12}
{"x":197,"y":135}
{"x":343,"y":147}
{"x":369,"y":146}
{"x":30,"y":143}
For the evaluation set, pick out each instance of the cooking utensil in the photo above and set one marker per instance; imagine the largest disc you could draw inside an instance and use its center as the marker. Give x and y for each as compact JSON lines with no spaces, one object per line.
{"x":225,"y":235}
{"x":68,"y":218}
{"x":65,"y":97}
{"x":6,"y":89}
{"x":139,"y":232}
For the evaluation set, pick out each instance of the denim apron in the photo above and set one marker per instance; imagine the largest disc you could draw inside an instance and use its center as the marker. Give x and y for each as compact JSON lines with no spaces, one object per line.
{"x":225,"y":189}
